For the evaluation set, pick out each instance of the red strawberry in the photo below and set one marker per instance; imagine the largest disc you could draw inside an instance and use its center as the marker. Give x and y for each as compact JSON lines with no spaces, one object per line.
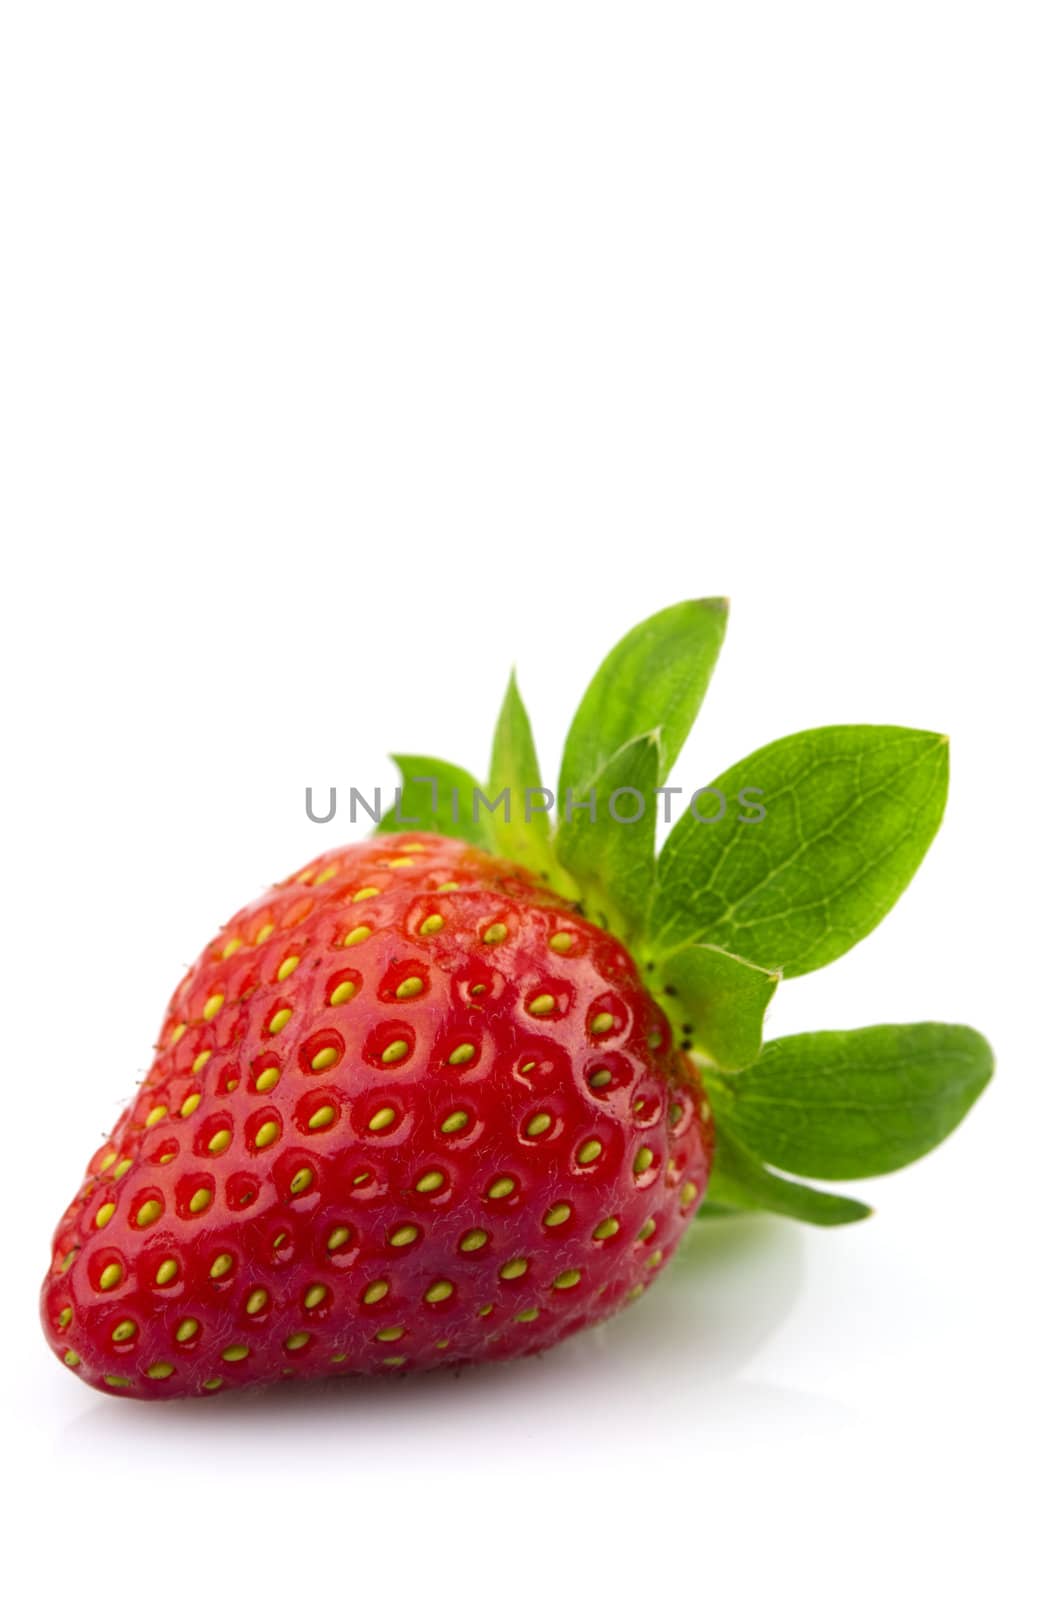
{"x":408,"y":1108}
{"x":416,"y":1107}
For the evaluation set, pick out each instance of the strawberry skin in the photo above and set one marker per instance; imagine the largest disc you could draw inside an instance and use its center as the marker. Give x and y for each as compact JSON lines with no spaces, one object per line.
{"x":409,"y":1108}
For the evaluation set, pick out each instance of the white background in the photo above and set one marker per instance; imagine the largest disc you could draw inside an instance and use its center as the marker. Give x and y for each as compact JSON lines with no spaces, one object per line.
{"x":351,"y":352}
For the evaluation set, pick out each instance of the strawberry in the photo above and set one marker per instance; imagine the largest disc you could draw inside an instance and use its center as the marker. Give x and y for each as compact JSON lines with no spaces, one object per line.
{"x":421,"y":1104}
{"x":407,"y":1108}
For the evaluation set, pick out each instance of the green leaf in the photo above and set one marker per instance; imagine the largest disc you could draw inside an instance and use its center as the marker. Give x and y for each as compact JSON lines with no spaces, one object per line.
{"x":440,"y":796}
{"x":723,"y":997}
{"x":609,"y":849}
{"x":655,"y":678}
{"x":856,"y":1104}
{"x":848,"y":814}
{"x":740,"y":1182}
{"x":515,"y":770}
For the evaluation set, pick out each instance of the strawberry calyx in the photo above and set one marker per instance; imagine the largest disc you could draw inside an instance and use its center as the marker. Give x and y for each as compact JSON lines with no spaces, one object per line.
{"x":773,"y":869}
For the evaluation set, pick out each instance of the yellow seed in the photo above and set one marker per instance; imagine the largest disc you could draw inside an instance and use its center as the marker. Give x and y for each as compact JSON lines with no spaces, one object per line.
{"x":442,"y":1290}
{"x":118,"y":1383}
{"x":442,"y":1344}
{"x":602,"y":1022}
{"x":123,"y":1167}
{"x":212,"y":1383}
{"x":189,"y":1104}
{"x":588,"y":1152}
{"x":567,"y":1280}
{"x":542,"y":1005}
{"x":431,"y":924}
{"x":160,"y":1369}
{"x":337,"y":1237}
{"x":687,"y":1193}
{"x":287,"y":967}
{"x":360,"y":1177}
{"x":213,"y":1006}
{"x":256,"y":1301}
{"x":415,"y":849}
{"x":648,"y":1229}
{"x":341,"y":1355}
{"x":266,"y":1134}
{"x":643,"y":1159}
{"x":463,"y":1053}
{"x":514,"y":1269}
{"x":656,"y":1258}
{"x":235,"y":1352}
{"x":382,"y":1119}
{"x":475,"y":1239}
{"x":500,"y":1188}
{"x":263,"y":933}
{"x":606,"y":1229}
{"x":219,"y":1141}
{"x":108,"y":1160}
{"x":495,"y":933}
{"x":110,"y":1275}
{"x":445,"y":888}
{"x":561,"y":942}
{"x":72,"y":1359}
{"x":166,"y":1157}
{"x":408,"y":988}
{"x":322,"y":1117}
{"x":395,"y":1051}
{"x":201,"y":1060}
{"x":558,"y":1214}
{"x":314,"y":1295}
{"x":326,"y":873}
{"x":296,"y":1341}
{"x":393,"y":1361}
{"x":178,"y":1033}
{"x":123,"y":1331}
{"x":389,"y":1335}
{"x":220,"y":1266}
{"x":636,"y":1291}
{"x":526,"y":1316}
{"x":365,"y":894}
{"x":167,"y":1271}
{"x":404,"y":1235}
{"x":341,"y":993}
{"x":598,"y":1080}
{"x":430,"y":1182}
{"x":400,"y":861}
{"x":376,"y":1291}
{"x":200,"y":1200}
{"x":302,"y":1180}
{"x":655,"y":1039}
{"x":104,"y":1214}
{"x":280,"y":1019}
{"x":66,"y":1316}
{"x":155,"y":1115}
{"x":357,"y":935}
{"x":231,"y":948}
{"x":325,"y":1058}
{"x":537,"y":1125}
{"x":186,"y":1329}
{"x":455,"y":1122}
